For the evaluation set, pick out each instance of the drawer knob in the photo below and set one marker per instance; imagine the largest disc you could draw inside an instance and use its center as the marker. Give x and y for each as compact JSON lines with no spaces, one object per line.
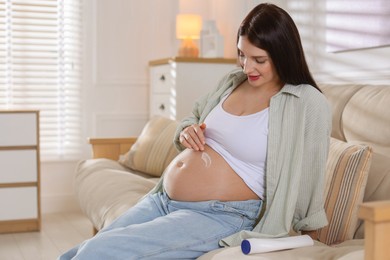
{"x":162,"y":107}
{"x":162,"y":78}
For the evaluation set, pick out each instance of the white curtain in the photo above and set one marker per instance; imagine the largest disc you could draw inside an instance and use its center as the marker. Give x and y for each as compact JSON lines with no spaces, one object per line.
{"x":40,"y":69}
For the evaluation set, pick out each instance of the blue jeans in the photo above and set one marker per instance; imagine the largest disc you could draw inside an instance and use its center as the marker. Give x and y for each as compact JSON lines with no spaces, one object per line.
{"x":161,"y":228}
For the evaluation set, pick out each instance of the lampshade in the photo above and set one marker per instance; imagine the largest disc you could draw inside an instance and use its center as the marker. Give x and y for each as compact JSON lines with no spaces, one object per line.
{"x":188,"y":26}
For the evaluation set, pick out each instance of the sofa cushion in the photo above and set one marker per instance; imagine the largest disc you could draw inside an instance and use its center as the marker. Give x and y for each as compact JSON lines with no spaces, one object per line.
{"x":105,"y":189}
{"x":154,"y":148}
{"x":366,"y":118}
{"x":346,"y":178}
{"x":338,"y":96}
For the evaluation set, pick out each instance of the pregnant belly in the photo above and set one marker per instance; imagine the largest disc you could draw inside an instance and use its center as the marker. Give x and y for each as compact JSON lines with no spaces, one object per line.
{"x":204,"y":175}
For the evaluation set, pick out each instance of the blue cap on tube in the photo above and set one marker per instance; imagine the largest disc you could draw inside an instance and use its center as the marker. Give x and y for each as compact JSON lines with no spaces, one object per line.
{"x":245,"y":246}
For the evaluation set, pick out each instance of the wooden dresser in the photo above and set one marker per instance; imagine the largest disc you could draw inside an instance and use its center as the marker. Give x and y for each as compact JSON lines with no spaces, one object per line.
{"x":176,"y":83}
{"x":19,"y":171}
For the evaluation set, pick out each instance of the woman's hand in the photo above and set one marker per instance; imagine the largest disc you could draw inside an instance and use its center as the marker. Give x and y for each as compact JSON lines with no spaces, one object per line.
{"x":312,"y":233}
{"x":192,"y":137}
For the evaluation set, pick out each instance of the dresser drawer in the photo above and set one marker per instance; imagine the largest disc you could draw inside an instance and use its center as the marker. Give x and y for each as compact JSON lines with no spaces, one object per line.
{"x":18,"y":166}
{"x":18,"y":203}
{"x":161,"y":79}
{"x":162,"y":105}
{"x":18,"y":129}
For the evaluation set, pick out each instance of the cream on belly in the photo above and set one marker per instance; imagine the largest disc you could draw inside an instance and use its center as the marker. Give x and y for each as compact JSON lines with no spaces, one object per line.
{"x":206,"y":159}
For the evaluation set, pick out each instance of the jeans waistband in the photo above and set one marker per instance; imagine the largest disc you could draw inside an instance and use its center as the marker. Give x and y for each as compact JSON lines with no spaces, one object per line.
{"x":251,"y":208}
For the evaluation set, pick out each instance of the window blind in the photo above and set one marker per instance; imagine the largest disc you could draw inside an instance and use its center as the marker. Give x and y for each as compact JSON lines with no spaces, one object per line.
{"x":348,"y":24}
{"x":356,"y":24}
{"x":40,"y":68}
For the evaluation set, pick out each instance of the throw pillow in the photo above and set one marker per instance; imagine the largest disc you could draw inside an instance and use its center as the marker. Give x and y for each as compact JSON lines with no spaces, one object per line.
{"x":154,"y":149}
{"x":346,"y":178}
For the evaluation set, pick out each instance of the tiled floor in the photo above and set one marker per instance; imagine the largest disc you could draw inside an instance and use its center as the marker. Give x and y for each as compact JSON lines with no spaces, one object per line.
{"x":59,"y":232}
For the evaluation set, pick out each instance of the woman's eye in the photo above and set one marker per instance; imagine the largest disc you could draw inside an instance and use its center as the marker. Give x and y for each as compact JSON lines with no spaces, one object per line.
{"x":261,"y":61}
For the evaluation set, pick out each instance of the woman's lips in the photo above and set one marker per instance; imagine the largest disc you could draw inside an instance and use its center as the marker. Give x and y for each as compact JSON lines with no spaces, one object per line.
{"x":253,"y":78}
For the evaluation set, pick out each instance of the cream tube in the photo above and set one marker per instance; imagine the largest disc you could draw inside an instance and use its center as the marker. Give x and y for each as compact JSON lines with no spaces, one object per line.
{"x":263,"y":245}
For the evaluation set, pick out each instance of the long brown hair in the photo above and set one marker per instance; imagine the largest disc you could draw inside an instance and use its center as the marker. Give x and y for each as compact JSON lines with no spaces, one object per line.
{"x":271,"y":28}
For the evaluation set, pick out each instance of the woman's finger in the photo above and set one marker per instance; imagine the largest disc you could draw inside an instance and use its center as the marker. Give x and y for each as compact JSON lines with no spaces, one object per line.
{"x":192,"y":137}
{"x":184,"y":142}
{"x":198,"y":136}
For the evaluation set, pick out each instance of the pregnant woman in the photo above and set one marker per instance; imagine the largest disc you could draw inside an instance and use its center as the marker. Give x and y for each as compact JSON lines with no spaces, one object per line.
{"x":252,"y":162}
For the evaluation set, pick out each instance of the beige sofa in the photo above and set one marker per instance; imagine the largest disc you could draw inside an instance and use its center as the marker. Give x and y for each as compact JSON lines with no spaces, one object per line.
{"x":361,"y":127}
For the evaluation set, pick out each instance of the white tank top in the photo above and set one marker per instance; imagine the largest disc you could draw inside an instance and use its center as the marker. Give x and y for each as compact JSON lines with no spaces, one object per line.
{"x":242,"y":142}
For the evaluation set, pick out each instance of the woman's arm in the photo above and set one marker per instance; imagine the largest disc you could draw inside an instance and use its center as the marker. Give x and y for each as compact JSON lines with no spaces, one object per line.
{"x":310,"y":213}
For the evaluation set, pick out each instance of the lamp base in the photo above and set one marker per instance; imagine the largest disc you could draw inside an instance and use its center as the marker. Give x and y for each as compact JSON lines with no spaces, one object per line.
{"x":188,"y":48}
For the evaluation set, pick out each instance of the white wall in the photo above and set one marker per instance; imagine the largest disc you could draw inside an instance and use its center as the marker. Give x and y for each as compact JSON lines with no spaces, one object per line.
{"x":122,"y":36}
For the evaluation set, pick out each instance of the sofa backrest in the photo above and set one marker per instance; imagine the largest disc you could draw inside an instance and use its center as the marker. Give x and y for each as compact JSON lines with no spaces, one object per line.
{"x":360,"y":114}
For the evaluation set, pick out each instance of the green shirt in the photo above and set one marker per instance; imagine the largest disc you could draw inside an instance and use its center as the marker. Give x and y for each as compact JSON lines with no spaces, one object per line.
{"x":298,"y":144}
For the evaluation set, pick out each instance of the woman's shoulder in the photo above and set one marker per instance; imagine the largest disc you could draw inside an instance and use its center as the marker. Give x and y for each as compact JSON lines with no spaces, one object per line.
{"x":308,"y":98}
{"x":314,"y":95}
{"x":307,"y":93}
{"x":315,"y":102}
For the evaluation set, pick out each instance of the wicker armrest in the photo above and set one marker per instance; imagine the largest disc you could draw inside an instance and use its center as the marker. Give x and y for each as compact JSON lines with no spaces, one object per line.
{"x":110,"y":148}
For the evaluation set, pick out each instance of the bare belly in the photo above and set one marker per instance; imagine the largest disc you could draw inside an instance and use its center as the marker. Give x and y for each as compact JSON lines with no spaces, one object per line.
{"x":199,"y":176}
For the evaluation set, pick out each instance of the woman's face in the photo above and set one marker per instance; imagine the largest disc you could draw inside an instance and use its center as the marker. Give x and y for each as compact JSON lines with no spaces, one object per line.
{"x":256,"y":64}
